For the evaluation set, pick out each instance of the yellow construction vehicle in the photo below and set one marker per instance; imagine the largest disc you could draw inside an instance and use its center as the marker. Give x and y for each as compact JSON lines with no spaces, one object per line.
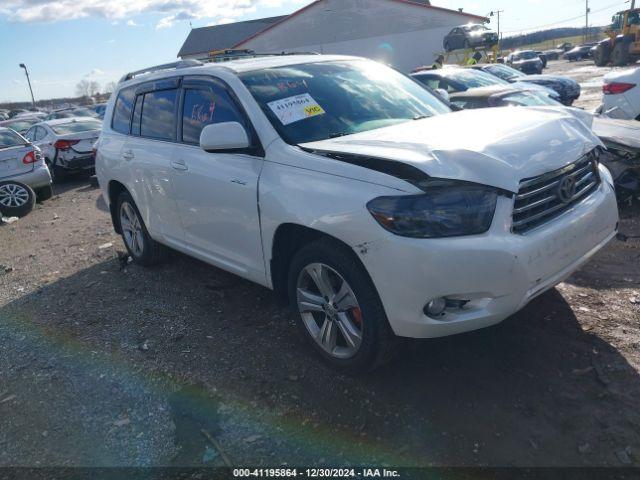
{"x":622,"y":46}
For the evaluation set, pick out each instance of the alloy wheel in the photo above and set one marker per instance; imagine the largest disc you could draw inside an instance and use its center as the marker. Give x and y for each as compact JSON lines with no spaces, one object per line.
{"x":131,"y":229}
{"x":329,"y":310}
{"x":13,"y":195}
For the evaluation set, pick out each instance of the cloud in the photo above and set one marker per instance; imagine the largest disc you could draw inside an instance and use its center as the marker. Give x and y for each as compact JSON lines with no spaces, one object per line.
{"x":132,"y":23}
{"x":96,"y":72}
{"x":171,"y":11}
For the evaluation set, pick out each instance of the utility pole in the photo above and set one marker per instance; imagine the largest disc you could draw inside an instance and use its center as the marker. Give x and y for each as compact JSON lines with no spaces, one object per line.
{"x":33,"y":102}
{"x":497,"y":13}
{"x":586,"y":26}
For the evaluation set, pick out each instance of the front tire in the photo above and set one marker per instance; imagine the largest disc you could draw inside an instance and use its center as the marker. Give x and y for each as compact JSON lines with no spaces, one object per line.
{"x":16,"y":199}
{"x":143,"y":249}
{"x":620,"y":55}
{"x":337,"y":308}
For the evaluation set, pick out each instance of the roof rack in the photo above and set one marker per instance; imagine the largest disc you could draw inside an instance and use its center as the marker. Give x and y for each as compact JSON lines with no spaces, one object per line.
{"x":217,"y":56}
{"x":158,"y":68}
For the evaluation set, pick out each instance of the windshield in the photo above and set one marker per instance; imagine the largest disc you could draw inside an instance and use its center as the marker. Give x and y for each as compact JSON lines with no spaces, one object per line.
{"x":471,"y":28}
{"x":76,"y":127}
{"x":525,"y":56}
{"x":505,"y":72}
{"x":317,"y":101}
{"x":529,"y":99}
{"x":474,"y":78}
{"x":9,"y":138}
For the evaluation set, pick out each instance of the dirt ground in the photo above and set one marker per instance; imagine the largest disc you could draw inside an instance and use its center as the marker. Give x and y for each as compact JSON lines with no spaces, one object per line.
{"x":105,"y":364}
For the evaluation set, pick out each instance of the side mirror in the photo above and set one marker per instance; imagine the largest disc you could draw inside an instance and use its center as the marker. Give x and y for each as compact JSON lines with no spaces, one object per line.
{"x":224,"y":136}
{"x":443,"y":94}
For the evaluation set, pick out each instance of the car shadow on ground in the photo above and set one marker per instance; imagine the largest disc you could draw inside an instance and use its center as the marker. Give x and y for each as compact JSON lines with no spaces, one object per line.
{"x":119,"y":365}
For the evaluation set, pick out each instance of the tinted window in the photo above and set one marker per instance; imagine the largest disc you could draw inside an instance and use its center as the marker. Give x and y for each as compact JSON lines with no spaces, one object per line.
{"x":137,"y":113}
{"x":31,"y":134}
{"x":40,"y":133}
{"x":204,"y":107}
{"x":122,"y":111}
{"x":158,"y":115}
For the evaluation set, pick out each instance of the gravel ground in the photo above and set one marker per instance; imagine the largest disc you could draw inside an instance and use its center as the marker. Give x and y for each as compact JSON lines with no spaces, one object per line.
{"x":105,"y":364}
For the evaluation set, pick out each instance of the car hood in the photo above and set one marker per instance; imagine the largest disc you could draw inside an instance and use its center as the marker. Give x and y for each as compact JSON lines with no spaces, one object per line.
{"x":497,"y":147}
{"x":622,"y":132}
{"x":528,"y":60}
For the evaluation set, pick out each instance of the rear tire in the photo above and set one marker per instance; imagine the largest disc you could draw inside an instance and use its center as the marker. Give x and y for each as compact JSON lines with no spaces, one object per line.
{"x":377,"y":343}
{"x":143,"y":249}
{"x":620,"y":55}
{"x":57,"y":173}
{"x":16,"y":199}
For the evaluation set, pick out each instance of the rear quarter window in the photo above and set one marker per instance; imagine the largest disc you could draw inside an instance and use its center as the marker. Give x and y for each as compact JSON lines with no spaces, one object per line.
{"x":122,"y":111}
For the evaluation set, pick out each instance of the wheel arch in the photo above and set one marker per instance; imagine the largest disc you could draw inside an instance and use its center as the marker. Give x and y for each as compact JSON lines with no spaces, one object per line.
{"x":288,"y":239}
{"x":114,"y":190}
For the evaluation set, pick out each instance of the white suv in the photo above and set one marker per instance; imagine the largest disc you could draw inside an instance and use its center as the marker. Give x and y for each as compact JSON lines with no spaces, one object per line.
{"x":354,"y":193}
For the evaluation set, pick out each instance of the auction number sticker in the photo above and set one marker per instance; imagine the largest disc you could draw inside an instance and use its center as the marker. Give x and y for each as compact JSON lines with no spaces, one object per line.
{"x":293,"y":109}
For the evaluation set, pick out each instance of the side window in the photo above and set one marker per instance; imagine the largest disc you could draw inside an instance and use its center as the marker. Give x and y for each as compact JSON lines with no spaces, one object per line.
{"x":31,"y":134}
{"x":122,"y":111}
{"x":204,"y":107}
{"x":137,"y":114}
{"x":429,"y":81}
{"x":40,"y":133}
{"x":158,"y":115}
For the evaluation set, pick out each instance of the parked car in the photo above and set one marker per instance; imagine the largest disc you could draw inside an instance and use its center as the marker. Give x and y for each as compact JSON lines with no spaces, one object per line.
{"x":526,"y":61}
{"x":22,"y":162}
{"x":543,"y":58}
{"x":354,"y":193}
{"x":469,"y":36}
{"x":621,"y":91}
{"x":99,"y":109}
{"x":565,"y":47}
{"x":621,"y":137}
{"x":20,"y":125}
{"x":17,"y":111}
{"x":67,"y":144}
{"x":71,"y":112}
{"x":568,"y":89}
{"x":458,"y":79}
{"x":581,"y":52}
{"x":553,"y":54}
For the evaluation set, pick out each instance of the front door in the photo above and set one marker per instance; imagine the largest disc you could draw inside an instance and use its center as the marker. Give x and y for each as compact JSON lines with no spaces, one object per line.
{"x":217,"y":193}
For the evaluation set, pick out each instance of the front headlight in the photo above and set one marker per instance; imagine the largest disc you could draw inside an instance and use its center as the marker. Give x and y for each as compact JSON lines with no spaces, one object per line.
{"x":446,"y":209}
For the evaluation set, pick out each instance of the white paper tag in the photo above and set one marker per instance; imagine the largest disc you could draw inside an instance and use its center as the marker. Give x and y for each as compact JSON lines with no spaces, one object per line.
{"x":293,"y":109}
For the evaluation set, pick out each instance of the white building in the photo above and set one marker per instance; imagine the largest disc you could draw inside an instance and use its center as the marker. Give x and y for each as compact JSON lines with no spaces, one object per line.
{"x":402,"y":33}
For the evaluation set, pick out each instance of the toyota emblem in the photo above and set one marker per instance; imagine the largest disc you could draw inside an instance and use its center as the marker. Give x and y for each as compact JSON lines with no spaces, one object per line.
{"x":567,"y":189}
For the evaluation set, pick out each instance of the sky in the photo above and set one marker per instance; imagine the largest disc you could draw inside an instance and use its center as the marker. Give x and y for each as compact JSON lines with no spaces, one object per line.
{"x":65,"y":41}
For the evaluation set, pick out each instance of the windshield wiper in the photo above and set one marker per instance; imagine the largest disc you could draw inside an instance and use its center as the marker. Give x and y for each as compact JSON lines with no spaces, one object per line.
{"x":338,"y":134}
{"x":421,"y":117}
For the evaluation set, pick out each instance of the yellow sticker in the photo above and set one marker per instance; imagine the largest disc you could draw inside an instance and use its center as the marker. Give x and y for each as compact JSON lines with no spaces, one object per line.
{"x":313,"y":110}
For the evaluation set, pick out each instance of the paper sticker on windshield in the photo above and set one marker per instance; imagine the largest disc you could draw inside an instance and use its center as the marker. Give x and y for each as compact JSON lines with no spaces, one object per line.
{"x":293,"y":109}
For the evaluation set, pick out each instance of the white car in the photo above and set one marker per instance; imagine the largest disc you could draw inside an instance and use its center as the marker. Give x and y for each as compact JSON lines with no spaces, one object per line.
{"x":622,"y":94}
{"x":67,"y":144}
{"x":21,"y":161}
{"x":353,"y":193}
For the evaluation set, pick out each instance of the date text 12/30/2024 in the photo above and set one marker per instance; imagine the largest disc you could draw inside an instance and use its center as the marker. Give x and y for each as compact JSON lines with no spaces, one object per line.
{"x":315,"y":473}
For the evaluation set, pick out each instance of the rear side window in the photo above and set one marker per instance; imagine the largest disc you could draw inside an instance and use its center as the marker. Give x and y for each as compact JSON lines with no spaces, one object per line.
{"x":204,"y":107}
{"x":122,"y":111}
{"x":9,"y":138}
{"x":158,"y":115}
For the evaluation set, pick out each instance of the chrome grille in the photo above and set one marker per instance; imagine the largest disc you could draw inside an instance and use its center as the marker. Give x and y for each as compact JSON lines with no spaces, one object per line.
{"x":542,"y":198}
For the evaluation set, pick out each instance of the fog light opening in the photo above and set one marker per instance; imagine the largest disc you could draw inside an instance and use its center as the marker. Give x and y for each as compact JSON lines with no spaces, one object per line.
{"x":435,"y":308}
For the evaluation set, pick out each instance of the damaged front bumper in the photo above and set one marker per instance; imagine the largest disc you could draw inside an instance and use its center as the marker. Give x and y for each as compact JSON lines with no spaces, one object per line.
{"x":489,"y":277}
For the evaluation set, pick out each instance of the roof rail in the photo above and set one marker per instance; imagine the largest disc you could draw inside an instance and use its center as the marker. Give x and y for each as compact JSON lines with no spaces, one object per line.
{"x":217,"y":56}
{"x":158,"y":68}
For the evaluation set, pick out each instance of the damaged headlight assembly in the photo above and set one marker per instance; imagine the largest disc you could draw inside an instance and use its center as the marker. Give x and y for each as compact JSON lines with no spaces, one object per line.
{"x":445,"y":209}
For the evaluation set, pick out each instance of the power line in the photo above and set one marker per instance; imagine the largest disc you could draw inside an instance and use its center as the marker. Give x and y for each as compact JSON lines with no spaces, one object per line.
{"x":538,"y":27}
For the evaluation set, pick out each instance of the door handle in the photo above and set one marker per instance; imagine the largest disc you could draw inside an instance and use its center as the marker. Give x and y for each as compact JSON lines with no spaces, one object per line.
{"x":128,"y":155}
{"x":179,"y":165}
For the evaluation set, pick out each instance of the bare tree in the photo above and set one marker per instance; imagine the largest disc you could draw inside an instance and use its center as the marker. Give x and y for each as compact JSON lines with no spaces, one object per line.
{"x":110,"y":87}
{"x":83,"y":88}
{"x":94,"y":88}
